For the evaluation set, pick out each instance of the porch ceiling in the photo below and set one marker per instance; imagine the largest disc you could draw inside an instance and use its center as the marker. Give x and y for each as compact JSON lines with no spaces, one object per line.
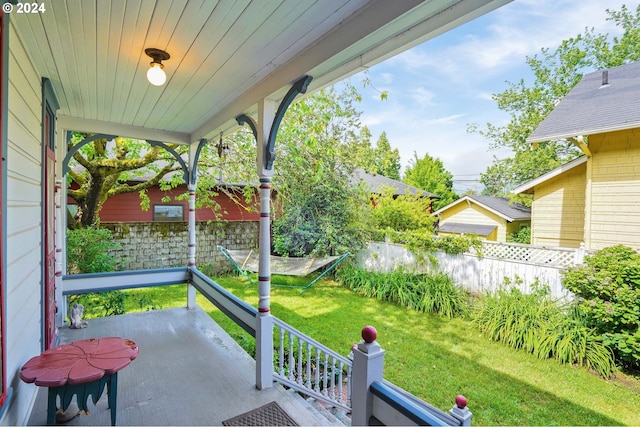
{"x":225,"y":55}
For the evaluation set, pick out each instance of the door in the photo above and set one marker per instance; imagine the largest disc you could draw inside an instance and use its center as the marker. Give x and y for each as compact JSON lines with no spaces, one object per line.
{"x":48,"y":207}
{"x":49,"y":244}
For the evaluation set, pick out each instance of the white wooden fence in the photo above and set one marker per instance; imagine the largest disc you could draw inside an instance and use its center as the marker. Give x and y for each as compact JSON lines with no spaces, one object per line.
{"x":521,"y":265}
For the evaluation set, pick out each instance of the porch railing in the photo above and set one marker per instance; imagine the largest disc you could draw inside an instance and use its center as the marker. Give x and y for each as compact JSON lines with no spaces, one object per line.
{"x":395,"y":406}
{"x":241,"y":312}
{"x":309,"y":367}
{"x":300,"y":362}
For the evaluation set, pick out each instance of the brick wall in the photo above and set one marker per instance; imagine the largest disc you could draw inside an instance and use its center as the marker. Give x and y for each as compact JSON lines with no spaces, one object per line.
{"x":148,"y":245}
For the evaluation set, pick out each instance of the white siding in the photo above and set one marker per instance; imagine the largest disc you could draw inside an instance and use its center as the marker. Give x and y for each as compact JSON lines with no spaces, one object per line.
{"x":24,"y":225}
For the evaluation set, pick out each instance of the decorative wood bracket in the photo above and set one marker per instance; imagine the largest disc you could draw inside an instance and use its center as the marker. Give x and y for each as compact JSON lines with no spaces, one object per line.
{"x":243,"y":119}
{"x":78,"y":146}
{"x":194,"y":172}
{"x":298,"y":87}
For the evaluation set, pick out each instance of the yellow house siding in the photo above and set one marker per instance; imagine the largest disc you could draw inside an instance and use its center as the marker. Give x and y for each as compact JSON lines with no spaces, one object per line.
{"x":615,"y":189}
{"x":471,"y":213}
{"x":514,"y":226}
{"x":557,"y":217}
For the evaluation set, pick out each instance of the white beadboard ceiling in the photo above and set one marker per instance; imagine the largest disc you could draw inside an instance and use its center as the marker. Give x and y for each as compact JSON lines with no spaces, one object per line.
{"x":226,"y":55}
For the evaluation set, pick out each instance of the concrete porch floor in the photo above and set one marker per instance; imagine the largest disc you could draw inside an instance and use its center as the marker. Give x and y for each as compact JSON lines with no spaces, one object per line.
{"x":188,"y":372}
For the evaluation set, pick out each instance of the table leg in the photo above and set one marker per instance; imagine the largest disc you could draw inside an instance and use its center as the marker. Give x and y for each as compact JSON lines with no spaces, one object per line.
{"x":51,"y":406}
{"x":82,"y":392}
{"x":112,"y":394}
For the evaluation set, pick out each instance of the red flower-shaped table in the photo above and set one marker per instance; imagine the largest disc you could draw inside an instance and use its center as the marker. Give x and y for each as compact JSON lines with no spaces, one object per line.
{"x":81,"y":368}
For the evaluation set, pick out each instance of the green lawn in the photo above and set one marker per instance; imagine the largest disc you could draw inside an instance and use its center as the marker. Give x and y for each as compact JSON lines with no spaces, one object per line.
{"x":437,"y":358}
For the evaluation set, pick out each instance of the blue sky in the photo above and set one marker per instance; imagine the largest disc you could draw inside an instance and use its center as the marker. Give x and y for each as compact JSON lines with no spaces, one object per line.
{"x":438,"y":88}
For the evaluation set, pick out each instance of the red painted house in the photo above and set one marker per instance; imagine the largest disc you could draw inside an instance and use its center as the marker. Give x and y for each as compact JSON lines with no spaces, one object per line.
{"x":126,"y":207}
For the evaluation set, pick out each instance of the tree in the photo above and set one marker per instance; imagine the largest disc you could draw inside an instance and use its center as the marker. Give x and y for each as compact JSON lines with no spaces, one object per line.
{"x":360,"y":151}
{"x":381,"y":159}
{"x":106,"y":166}
{"x":322,"y":211}
{"x":526,"y":164}
{"x":386,"y":159}
{"x":556,"y":73}
{"x":429,"y":174}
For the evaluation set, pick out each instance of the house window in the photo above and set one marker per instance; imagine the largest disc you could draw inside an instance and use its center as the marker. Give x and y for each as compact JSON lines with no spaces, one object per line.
{"x":73,"y":209}
{"x":170,"y":213}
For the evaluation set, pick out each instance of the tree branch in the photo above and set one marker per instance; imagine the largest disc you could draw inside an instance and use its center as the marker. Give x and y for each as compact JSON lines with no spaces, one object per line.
{"x":125,"y":188}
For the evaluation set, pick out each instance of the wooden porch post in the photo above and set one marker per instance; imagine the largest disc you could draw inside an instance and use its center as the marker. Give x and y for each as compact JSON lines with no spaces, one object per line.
{"x":368,"y":366}
{"x":264,"y":322}
{"x":265,"y":133}
{"x":191,"y":186}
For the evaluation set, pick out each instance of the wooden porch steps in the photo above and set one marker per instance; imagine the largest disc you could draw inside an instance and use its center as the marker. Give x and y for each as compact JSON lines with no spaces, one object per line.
{"x":326,"y":416}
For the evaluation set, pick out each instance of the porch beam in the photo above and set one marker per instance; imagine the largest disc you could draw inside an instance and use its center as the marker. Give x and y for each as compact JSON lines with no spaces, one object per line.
{"x":138,"y":132}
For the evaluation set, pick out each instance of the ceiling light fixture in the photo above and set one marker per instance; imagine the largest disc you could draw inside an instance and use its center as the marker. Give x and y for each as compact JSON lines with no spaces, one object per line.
{"x":155,"y":74}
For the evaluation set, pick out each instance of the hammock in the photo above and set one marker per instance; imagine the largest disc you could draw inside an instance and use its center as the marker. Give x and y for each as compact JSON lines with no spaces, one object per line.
{"x":247,"y":260}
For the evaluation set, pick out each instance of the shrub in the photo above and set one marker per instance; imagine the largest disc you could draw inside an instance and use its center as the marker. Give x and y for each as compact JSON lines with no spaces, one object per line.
{"x":428,"y":293}
{"x":402,"y":213}
{"x":521,"y":236}
{"x":420,"y":241}
{"x":88,"y":251}
{"x":441,"y":295}
{"x":607,"y":287}
{"x":515,"y":318}
{"x":536,"y":323}
{"x":570,"y":340}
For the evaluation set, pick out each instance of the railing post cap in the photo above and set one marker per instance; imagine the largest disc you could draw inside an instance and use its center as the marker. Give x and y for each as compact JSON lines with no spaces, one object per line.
{"x":461,"y":401}
{"x":460,"y":411}
{"x":369,"y":334}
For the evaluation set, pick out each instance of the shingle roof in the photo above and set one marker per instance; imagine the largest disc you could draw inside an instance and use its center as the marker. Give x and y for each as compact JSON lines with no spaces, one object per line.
{"x":591,"y":107}
{"x":502,"y":205}
{"x":377,"y":183}
{"x":458,"y":227}
{"x":498,"y":205}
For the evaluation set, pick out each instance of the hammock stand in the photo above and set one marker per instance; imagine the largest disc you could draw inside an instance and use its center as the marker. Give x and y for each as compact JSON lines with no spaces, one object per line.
{"x":247,"y":260}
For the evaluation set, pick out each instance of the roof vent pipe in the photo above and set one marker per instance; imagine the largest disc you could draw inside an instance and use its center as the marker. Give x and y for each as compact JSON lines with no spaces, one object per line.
{"x":605,"y":78}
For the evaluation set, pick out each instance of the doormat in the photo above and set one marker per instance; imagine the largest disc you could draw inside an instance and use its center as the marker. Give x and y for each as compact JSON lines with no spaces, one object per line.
{"x":270,"y":414}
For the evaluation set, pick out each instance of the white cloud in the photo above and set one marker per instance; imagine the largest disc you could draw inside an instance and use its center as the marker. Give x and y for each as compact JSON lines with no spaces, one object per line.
{"x":422,"y":96}
{"x":501,"y":40}
{"x":437,"y":88}
{"x":386,"y":78}
{"x":444,"y":120}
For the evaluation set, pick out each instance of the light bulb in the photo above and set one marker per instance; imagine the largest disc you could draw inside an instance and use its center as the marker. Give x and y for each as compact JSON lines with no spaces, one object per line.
{"x":156,"y":75}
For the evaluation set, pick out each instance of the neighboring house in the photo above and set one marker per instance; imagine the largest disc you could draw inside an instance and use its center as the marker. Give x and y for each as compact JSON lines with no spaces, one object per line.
{"x":491,"y":218}
{"x":81,"y":66}
{"x":593,"y":199}
{"x":557,"y":217}
{"x":378,"y":183}
{"x":126,"y":207}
